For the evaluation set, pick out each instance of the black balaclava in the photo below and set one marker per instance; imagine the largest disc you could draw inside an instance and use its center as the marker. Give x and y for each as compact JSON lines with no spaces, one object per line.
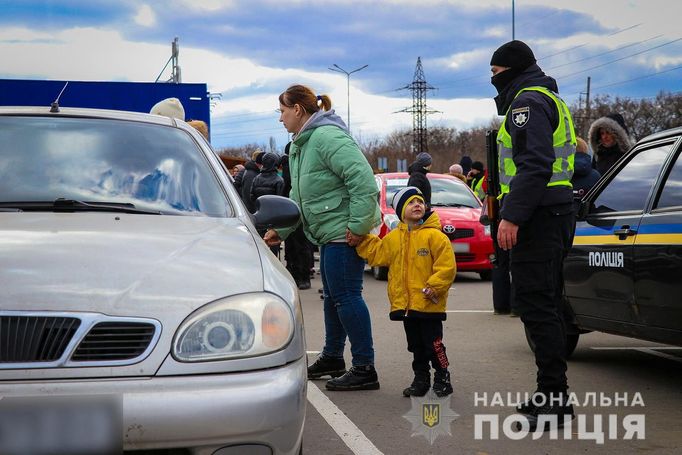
{"x":517,"y":56}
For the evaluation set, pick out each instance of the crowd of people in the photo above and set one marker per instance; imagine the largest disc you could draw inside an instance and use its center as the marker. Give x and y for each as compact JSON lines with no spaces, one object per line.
{"x":324,"y":171}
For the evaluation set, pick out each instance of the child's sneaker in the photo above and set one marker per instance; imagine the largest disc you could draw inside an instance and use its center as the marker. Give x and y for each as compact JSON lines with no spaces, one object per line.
{"x":419,"y":387}
{"x":441,"y":384}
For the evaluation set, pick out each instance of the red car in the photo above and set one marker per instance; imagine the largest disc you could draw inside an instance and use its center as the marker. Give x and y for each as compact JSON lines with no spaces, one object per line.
{"x":459,"y":210}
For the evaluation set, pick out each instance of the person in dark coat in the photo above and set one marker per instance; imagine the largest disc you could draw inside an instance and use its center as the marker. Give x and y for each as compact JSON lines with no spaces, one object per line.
{"x":465,"y":162}
{"x":238,"y":174}
{"x":584,"y":175}
{"x":268,"y":181}
{"x":475,"y":175}
{"x":298,"y":251}
{"x":609,"y":138}
{"x":537,"y":220}
{"x":418,"y":179}
{"x":252,"y":169}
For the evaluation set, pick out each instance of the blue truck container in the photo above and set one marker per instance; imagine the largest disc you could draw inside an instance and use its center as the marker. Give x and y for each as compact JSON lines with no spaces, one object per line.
{"x":123,"y":96}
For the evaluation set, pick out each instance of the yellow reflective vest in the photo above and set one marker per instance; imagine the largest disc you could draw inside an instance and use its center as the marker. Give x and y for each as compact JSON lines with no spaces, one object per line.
{"x":564,"y":142}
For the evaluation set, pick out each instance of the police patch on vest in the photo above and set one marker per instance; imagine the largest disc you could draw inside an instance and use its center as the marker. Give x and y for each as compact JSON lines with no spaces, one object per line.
{"x":520,"y":116}
{"x":422,"y":252}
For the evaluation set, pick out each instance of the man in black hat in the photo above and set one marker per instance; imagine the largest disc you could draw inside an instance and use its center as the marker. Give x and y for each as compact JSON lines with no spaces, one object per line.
{"x":418,"y":178}
{"x":476,"y":173}
{"x":536,"y":144}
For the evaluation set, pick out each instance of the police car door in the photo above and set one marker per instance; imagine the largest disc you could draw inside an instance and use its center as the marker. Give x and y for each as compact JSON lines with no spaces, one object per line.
{"x":599,"y":270}
{"x":658,"y":252}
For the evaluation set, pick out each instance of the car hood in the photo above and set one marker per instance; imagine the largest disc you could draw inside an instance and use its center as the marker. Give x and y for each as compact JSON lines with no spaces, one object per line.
{"x":450,"y":215}
{"x":161,"y":267}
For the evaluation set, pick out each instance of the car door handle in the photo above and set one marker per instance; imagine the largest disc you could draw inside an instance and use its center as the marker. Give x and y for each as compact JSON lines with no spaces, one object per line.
{"x":624,"y":232}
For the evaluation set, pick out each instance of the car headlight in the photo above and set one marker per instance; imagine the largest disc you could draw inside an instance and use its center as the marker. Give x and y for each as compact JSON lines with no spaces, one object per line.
{"x":391,"y":221}
{"x":486,"y":230}
{"x":245,"y":325}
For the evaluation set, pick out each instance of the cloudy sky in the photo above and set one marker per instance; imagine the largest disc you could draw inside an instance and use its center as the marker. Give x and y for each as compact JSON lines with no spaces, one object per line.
{"x":251,"y":50}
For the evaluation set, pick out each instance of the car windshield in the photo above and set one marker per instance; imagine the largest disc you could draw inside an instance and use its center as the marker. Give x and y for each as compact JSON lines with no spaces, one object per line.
{"x":105,"y":162}
{"x":444,"y":192}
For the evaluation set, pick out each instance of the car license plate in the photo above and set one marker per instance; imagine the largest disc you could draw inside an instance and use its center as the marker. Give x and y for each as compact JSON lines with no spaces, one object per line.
{"x":460,"y":247}
{"x":72,"y":425}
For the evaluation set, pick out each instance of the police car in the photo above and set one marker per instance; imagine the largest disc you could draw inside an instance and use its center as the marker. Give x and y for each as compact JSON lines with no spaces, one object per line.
{"x":624,"y":273}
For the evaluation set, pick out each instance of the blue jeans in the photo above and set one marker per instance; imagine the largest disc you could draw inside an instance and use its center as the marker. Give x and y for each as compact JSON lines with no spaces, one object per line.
{"x":345,"y":312}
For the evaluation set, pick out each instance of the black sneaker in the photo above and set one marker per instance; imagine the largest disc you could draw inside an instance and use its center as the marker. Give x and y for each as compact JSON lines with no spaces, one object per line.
{"x":441,"y":384}
{"x":527,"y":407}
{"x":419,"y":387}
{"x":326,"y":366}
{"x":550,"y":416}
{"x":357,"y":378}
{"x":303,"y":284}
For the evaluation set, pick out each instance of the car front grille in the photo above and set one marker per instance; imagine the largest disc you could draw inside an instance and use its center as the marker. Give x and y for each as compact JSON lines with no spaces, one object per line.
{"x":464,"y":257}
{"x":44,"y":339}
{"x":460,"y":234}
{"x":114,"y":341}
{"x":35,"y":338}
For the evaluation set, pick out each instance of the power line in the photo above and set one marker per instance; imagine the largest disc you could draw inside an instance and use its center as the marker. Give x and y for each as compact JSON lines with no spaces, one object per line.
{"x":539,"y":19}
{"x":641,"y":77}
{"x":247,"y":133}
{"x":584,"y":44}
{"x":477,"y":76}
{"x":261,"y":113}
{"x":224,"y":121}
{"x":605,"y":53}
{"x":619,"y":59}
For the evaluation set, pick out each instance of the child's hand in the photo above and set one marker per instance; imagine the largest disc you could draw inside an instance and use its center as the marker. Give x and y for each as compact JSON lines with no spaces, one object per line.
{"x":430,"y":294}
{"x":353,"y":239}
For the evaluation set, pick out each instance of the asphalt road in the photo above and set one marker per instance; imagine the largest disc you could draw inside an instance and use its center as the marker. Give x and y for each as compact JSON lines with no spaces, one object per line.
{"x":490,"y":358}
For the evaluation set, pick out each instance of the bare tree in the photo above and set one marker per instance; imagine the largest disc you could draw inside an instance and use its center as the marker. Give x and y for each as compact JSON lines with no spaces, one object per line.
{"x":244,"y":151}
{"x":642,"y":116}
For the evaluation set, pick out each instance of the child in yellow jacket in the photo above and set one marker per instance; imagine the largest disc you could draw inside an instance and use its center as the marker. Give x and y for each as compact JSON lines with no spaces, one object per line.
{"x":421,"y":269}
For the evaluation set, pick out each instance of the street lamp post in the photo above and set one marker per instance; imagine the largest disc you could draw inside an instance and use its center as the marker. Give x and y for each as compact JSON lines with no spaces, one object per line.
{"x":338,"y":69}
{"x":513,"y":22}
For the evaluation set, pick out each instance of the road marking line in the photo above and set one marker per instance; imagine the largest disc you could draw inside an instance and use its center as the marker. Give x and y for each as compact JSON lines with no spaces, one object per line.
{"x":469,"y":311}
{"x":312,"y":352}
{"x":647,"y":350}
{"x":351,"y":435}
{"x":615,"y":348}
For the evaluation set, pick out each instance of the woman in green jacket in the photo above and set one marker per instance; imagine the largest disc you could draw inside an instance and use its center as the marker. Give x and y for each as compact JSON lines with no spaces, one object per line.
{"x":333,"y":184}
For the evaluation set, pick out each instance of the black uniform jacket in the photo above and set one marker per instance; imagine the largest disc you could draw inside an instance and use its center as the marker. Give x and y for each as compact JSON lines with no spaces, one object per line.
{"x":532,"y":148}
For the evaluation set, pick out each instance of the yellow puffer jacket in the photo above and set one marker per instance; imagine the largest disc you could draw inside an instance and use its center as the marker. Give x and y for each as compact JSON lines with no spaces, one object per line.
{"x":416,"y":259}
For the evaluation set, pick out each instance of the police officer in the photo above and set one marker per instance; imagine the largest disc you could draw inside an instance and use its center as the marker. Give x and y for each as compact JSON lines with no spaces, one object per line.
{"x":536,"y":145}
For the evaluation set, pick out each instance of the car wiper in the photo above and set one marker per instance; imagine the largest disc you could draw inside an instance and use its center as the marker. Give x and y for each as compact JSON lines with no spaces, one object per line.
{"x":452,"y":204}
{"x":73,"y":205}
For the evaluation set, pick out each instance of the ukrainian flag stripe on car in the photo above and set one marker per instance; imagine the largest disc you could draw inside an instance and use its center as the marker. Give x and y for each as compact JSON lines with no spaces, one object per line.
{"x":647,"y":234}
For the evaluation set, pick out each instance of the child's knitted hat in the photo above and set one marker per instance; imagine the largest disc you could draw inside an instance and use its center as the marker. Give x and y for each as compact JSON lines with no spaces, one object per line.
{"x":404,"y":196}
{"x":170,"y":107}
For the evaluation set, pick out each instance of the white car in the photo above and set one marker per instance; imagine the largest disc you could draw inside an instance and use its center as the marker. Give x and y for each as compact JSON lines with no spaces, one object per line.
{"x":139,"y":309}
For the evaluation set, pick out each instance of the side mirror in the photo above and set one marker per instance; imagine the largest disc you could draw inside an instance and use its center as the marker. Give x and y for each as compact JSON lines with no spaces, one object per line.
{"x":275,"y":212}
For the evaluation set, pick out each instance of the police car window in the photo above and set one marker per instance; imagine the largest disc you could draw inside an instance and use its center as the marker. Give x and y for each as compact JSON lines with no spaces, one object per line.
{"x":629,"y":189}
{"x":671,"y":196}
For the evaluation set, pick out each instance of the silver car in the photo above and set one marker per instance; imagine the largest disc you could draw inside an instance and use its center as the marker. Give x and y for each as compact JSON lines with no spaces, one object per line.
{"x":139,"y":309}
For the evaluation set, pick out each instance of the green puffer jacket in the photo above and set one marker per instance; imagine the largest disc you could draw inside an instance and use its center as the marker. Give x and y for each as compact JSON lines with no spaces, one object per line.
{"x":331,"y":181}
